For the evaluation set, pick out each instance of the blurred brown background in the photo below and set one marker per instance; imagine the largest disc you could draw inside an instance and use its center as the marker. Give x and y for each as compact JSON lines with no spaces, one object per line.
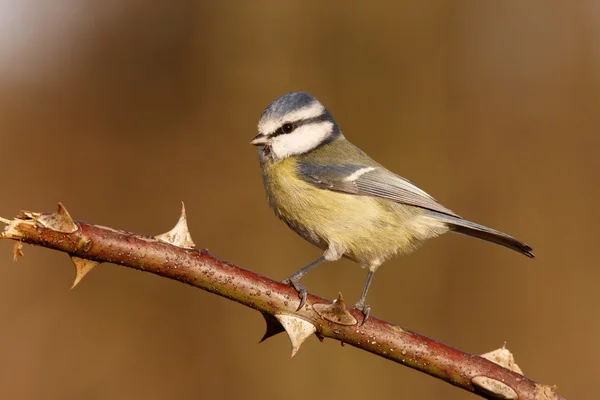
{"x":121,"y":109}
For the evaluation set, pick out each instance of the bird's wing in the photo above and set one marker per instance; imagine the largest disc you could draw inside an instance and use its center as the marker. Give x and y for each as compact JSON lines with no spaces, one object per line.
{"x":368,"y":180}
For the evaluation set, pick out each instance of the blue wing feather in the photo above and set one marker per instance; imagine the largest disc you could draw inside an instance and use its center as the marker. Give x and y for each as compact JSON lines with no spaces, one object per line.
{"x":368,"y":180}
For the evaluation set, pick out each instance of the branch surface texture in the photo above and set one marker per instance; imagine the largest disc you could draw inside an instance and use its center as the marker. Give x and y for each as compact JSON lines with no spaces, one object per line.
{"x":173,"y":255}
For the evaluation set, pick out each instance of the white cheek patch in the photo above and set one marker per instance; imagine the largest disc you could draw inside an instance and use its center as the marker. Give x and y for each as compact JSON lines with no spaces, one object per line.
{"x":303,"y":139}
{"x":310,"y":111}
{"x":358,"y":173}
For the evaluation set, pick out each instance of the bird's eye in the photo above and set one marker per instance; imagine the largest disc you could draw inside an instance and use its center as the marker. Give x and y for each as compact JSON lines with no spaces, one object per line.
{"x":287,"y":128}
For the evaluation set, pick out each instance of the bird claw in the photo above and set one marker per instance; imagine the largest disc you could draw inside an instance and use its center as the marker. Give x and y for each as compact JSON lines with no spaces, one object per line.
{"x":365,"y":309}
{"x":302,"y":293}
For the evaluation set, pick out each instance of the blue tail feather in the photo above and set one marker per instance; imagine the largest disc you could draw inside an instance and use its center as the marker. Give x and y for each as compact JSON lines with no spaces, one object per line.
{"x":459,"y":225}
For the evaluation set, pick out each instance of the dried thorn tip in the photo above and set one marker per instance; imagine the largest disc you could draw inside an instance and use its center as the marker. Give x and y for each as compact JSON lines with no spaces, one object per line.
{"x":336,"y":312}
{"x":17,"y":251}
{"x":180,"y":235}
{"x":298,"y":330}
{"x":504,"y":358}
{"x":82,"y":267}
{"x":545,"y":392}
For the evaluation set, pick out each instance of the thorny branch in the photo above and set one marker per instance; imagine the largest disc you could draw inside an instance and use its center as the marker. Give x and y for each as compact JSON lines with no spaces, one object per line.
{"x":172,"y":255}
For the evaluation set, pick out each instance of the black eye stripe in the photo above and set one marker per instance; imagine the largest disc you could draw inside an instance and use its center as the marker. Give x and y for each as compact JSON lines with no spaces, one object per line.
{"x":283,"y":130}
{"x":296,"y":124}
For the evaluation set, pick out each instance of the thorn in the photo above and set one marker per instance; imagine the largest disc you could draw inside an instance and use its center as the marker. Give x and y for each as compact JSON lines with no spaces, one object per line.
{"x":494,"y":388}
{"x":4,"y":220}
{"x":274,"y":327}
{"x":62,"y":211}
{"x":336,"y":312}
{"x":82,"y":267}
{"x":59,"y":221}
{"x":180,"y":235}
{"x":17,"y":251}
{"x":504,"y":358}
{"x":298,"y":330}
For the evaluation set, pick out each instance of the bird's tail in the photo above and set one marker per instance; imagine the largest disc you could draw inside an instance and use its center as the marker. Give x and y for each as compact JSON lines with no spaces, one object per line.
{"x":459,"y":225}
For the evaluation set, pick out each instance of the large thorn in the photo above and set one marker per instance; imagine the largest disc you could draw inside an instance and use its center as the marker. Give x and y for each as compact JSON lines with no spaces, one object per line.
{"x":82,"y":267}
{"x":180,"y":235}
{"x":274,"y":327}
{"x":59,"y":221}
{"x":504,"y":358}
{"x":298,"y":330}
{"x":494,"y":388}
{"x":335,"y":312}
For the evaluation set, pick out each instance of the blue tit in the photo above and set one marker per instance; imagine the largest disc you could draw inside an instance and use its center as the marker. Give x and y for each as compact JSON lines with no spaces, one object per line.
{"x":336,"y":197}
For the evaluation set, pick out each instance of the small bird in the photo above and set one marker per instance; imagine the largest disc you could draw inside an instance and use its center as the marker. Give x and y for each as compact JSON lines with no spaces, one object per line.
{"x":336,"y":197}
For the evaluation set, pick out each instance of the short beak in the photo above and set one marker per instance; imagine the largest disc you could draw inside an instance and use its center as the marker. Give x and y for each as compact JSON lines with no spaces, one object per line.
{"x":259,"y":140}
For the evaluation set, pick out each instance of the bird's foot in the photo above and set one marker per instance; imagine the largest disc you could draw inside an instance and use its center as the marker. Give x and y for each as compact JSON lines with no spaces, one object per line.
{"x":294,"y":281}
{"x":365,"y":309}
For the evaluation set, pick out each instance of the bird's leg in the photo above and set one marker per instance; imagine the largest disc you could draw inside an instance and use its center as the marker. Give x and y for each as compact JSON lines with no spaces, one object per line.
{"x":294,"y":280}
{"x":360,"y":305}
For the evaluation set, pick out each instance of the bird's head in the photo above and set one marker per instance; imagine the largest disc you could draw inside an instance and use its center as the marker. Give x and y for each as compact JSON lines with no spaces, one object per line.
{"x":293,"y":124}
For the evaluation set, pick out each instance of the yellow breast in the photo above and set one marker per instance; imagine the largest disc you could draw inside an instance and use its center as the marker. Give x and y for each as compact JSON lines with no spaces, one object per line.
{"x":367,"y":229}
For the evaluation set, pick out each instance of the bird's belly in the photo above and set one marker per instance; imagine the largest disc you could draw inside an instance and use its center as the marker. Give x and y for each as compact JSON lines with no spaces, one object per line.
{"x":366,"y":229}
